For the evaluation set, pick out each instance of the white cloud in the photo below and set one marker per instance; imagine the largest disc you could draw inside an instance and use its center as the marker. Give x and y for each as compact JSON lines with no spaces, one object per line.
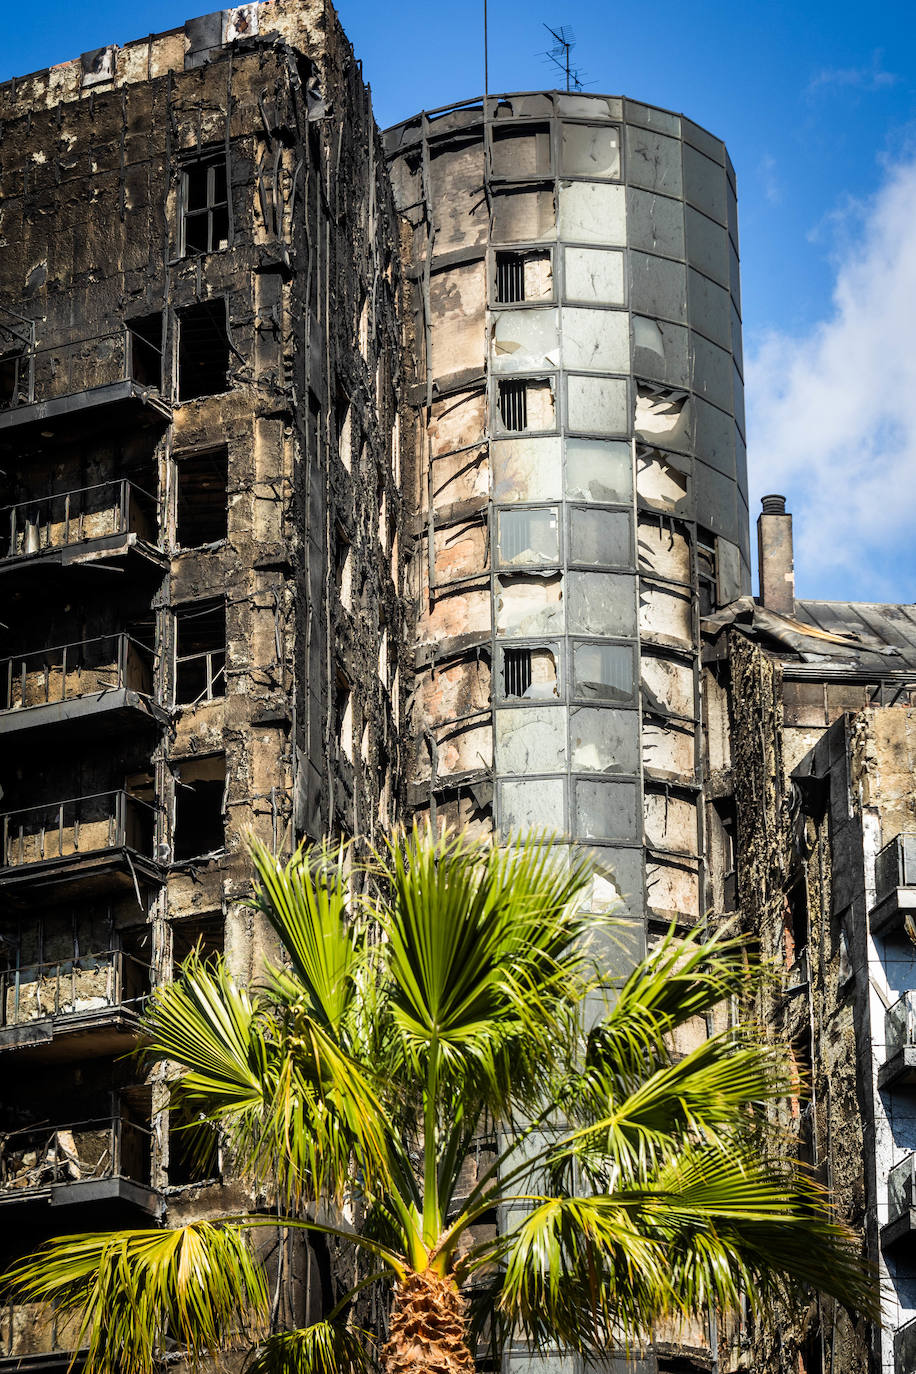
{"x":832,"y":413}
{"x":870,"y":78}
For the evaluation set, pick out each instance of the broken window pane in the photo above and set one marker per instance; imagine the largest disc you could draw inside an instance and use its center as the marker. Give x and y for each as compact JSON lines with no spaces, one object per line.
{"x":594,"y":276}
{"x":529,"y":536}
{"x":660,"y":350}
{"x":200,"y":652}
{"x":203,"y":349}
{"x":521,"y":151}
{"x":598,"y":340}
{"x":603,"y":740}
{"x":523,"y":216}
{"x":205,"y":206}
{"x":531,"y":740}
{"x":524,"y":340}
{"x":600,"y":537}
{"x":145,"y":338}
{"x":659,"y":483}
{"x":202,"y":501}
{"x":596,"y":405}
{"x":599,"y":471}
{"x":526,"y":469}
{"x":527,"y":405}
{"x":663,"y":416}
{"x":530,"y":673}
{"x":200,"y":786}
{"x":604,"y":672}
{"x":589,"y":152}
{"x":592,"y":213}
{"x":532,"y":804}
{"x":524,"y":277}
{"x":529,"y":607}
{"x":605,"y":810}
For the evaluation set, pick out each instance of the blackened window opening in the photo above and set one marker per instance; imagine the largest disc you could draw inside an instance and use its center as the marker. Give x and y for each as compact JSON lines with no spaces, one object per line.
{"x":14,"y":379}
{"x":706,"y":570}
{"x":510,"y":278}
{"x":202,"y":497}
{"x":516,"y":672}
{"x":193,"y":1147}
{"x":204,"y":935}
{"x":513,"y":404}
{"x":199,"y":796}
{"x":205,"y":205}
{"x":200,"y":652}
{"x":145,"y":339}
{"x":203,"y":350}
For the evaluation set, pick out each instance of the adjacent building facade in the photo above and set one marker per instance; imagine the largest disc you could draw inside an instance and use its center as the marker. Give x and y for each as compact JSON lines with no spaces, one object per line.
{"x":347,"y":478}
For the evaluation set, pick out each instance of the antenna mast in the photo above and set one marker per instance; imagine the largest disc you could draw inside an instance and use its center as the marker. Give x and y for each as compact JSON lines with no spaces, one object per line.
{"x":559,"y":54}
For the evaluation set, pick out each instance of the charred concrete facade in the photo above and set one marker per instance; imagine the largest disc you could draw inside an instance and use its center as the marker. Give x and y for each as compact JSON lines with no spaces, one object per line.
{"x":809,"y":716}
{"x":199,"y":359}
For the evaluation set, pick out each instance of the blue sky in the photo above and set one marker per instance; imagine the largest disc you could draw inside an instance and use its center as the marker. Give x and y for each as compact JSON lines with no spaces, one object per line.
{"x":816,"y":104}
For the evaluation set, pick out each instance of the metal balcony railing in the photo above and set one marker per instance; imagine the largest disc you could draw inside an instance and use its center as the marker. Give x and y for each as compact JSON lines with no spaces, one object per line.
{"x":80,"y":825}
{"x":68,"y":671}
{"x":85,"y":983}
{"x":895,"y":866}
{"x":37,"y":1157}
{"x":72,"y":517}
{"x":64,"y":369}
{"x":900,"y":1024}
{"x":36,"y":1328}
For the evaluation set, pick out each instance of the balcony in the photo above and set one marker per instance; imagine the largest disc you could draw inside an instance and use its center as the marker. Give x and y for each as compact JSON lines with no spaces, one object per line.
{"x":99,"y":1160}
{"x":899,"y":1067}
{"x":99,"y":842}
{"x":895,"y":886}
{"x":104,"y":521}
{"x":84,"y":1006}
{"x":108,"y":680}
{"x":118,"y":374}
{"x":37,"y":1337}
{"x":901,"y":1203}
{"x":905,"y":1348}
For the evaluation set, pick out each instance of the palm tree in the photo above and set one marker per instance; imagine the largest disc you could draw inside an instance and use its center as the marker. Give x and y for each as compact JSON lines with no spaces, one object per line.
{"x":638,"y":1184}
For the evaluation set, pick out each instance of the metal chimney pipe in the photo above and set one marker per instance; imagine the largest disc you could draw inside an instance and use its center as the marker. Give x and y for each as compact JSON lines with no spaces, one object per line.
{"x":776,"y":560}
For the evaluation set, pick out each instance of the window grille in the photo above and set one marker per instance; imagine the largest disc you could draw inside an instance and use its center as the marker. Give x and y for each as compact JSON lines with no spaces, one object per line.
{"x":516,"y":672}
{"x":510,"y":278}
{"x":513,"y":404}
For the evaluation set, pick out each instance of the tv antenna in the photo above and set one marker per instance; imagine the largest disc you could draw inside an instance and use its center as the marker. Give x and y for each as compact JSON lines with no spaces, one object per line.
{"x":559,"y":55}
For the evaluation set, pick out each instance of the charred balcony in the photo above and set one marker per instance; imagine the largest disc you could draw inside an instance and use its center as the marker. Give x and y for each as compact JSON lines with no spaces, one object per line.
{"x":899,"y":1067}
{"x":100,"y":1160}
{"x":110,"y":521}
{"x":82,"y":1006}
{"x":34,"y":1336}
{"x":895,"y":886}
{"x":901,"y":1204}
{"x":96,"y":843}
{"x":108,"y":680}
{"x":59,"y":385}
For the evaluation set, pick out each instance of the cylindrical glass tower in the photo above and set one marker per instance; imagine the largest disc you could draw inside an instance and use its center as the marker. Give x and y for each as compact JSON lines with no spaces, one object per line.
{"x":580,"y":468}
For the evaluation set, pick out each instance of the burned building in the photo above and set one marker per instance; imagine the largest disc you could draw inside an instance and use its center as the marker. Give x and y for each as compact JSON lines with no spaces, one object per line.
{"x":346,"y":478}
{"x":199,"y":354}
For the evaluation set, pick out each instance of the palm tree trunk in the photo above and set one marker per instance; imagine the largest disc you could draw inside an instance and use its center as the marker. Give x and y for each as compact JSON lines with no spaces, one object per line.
{"x":426,"y":1334}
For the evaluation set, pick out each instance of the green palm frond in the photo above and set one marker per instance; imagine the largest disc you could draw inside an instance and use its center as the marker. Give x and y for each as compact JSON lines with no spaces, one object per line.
{"x":306,"y":902}
{"x":290,"y":1100}
{"x":483,"y":955}
{"x":142,"y":1292}
{"x":323,"y":1348}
